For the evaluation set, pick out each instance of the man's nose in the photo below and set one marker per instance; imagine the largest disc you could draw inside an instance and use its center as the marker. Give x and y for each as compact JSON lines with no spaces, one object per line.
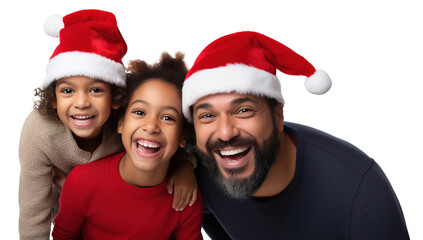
{"x":227,"y":128}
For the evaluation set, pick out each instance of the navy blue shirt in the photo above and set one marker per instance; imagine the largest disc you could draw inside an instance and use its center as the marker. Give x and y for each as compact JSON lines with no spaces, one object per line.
{"x":337,"y":192}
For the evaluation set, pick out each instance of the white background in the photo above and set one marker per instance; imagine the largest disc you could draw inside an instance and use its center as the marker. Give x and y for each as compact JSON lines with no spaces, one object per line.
{"x":371,"y":49}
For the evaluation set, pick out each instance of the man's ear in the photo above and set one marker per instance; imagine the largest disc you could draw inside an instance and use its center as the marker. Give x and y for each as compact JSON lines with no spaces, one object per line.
{"x":279,"y":116}
{"x":120,"y":126}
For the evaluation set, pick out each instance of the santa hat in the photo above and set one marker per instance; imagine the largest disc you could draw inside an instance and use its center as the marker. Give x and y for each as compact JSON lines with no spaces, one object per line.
{"x":246,"y":63}
{"x":90,"y":45}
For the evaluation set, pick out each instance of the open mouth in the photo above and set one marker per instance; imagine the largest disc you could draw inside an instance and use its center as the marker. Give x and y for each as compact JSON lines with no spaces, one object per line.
{"x":82,"y":120}
{"x":148,"y":147}
{"x":234,"y":155}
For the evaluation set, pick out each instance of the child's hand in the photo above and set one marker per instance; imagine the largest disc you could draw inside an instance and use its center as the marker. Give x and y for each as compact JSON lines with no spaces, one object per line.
{"x":59,"y":178}
{"x":183,"y":184}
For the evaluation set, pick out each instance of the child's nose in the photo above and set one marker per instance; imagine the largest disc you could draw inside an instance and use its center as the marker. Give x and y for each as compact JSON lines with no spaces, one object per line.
{"x":82,"y":100}
{"x":151,"y":125}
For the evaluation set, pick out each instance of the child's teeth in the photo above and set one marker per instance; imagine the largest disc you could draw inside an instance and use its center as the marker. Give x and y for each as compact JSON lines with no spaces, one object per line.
{"x":83,"y":117}
{"x":148,"y":144}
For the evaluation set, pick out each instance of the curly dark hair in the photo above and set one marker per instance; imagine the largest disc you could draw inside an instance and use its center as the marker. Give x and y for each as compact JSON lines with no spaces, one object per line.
{"x":47,"y":97}
{"x":169,"y":69}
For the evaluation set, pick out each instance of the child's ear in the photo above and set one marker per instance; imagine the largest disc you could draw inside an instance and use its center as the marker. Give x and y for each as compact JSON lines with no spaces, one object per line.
{"x":54,"y":104}
{"x":184,"y":139}
{"x":183,"y":142}
{"x":115,"y":106}
{"x":120,"y":126}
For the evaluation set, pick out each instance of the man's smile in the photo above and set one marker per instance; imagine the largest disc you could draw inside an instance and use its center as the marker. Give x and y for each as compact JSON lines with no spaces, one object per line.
{"x":233,"y":157}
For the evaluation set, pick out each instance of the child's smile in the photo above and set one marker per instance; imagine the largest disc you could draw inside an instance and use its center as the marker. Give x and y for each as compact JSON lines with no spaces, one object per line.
{"x":151,"y":131}
{"x":148,"y":149}
{"x":83,"y":104}
{"x":83,"y":120}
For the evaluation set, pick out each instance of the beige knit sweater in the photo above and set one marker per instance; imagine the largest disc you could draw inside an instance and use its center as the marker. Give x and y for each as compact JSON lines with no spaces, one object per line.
{"x":45,"y":143}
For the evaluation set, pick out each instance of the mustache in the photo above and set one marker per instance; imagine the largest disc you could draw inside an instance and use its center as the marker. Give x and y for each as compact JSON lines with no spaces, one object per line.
{"x":234,"y":142}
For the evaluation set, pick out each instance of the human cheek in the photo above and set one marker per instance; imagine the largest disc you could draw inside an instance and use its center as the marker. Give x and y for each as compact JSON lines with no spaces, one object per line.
{"x":202,"y":135}
{"x":105,"y":106}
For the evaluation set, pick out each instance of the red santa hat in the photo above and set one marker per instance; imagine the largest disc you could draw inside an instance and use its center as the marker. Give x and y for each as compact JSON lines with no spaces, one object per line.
{"x":90,"y":45}
{"x":246,"y":63}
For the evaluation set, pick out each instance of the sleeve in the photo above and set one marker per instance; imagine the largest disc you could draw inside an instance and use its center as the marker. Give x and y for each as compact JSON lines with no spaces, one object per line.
{"x":182,"y":155}
{"x":190,"y":224}
{"x":376,"y":212}
{"x":69,"y":221}
{"x":35,"y":186}
{"x":212,"y":227}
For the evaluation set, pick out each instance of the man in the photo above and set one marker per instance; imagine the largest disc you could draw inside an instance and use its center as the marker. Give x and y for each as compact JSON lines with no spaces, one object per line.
{"x":263,"y":178}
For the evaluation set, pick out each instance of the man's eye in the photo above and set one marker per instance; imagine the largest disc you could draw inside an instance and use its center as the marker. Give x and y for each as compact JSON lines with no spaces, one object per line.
{"x":206,"y":118}
{"x":206,"y":115}
{"x":244,"y":110}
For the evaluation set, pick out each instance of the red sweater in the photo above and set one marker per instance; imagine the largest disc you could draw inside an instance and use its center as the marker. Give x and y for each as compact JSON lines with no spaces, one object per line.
{"x":97,"y":204}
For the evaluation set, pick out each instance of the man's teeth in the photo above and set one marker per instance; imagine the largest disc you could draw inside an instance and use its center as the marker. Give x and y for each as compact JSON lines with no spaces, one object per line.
{"x":148,"y":144}
{"x":233,"y":151}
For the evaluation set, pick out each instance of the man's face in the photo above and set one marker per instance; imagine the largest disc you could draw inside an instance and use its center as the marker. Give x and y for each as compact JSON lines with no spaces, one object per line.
{"x":238,"y":140}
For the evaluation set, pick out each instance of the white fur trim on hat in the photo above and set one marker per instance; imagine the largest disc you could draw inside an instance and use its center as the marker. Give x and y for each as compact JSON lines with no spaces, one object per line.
{"x":84,"y":64}
{"x":240,"y":78}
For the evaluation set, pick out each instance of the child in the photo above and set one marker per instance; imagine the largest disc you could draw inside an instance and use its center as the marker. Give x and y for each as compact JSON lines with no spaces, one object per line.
{"x":124,"y":196}
{"x":73,"y":122}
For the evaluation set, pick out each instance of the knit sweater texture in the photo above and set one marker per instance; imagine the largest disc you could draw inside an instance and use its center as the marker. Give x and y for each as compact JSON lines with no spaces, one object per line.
{"x":46,"y":142}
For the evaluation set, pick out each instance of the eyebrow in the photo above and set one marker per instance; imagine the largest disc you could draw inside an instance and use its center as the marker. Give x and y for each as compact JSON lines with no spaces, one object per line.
{"x":233,"y":102}
{"x":91,"y":83}
{"x":144,"y":102}
{"x":202,"y":106}
{"x":242,"y":100}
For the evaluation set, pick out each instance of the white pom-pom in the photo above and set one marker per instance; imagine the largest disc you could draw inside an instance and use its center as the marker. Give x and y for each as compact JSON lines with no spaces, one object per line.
{"x":318,"y":83}
{"x":53,"y":24}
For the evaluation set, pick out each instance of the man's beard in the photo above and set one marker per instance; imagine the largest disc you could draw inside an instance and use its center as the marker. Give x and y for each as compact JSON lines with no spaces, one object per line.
{"x":234,"y":186}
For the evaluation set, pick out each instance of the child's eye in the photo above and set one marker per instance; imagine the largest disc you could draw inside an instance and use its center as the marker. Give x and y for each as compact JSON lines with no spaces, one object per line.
{"x":96,"y":90}
{"x":139,"y":112}
{"x":66,"y":91}
{"x":168,"y":118}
